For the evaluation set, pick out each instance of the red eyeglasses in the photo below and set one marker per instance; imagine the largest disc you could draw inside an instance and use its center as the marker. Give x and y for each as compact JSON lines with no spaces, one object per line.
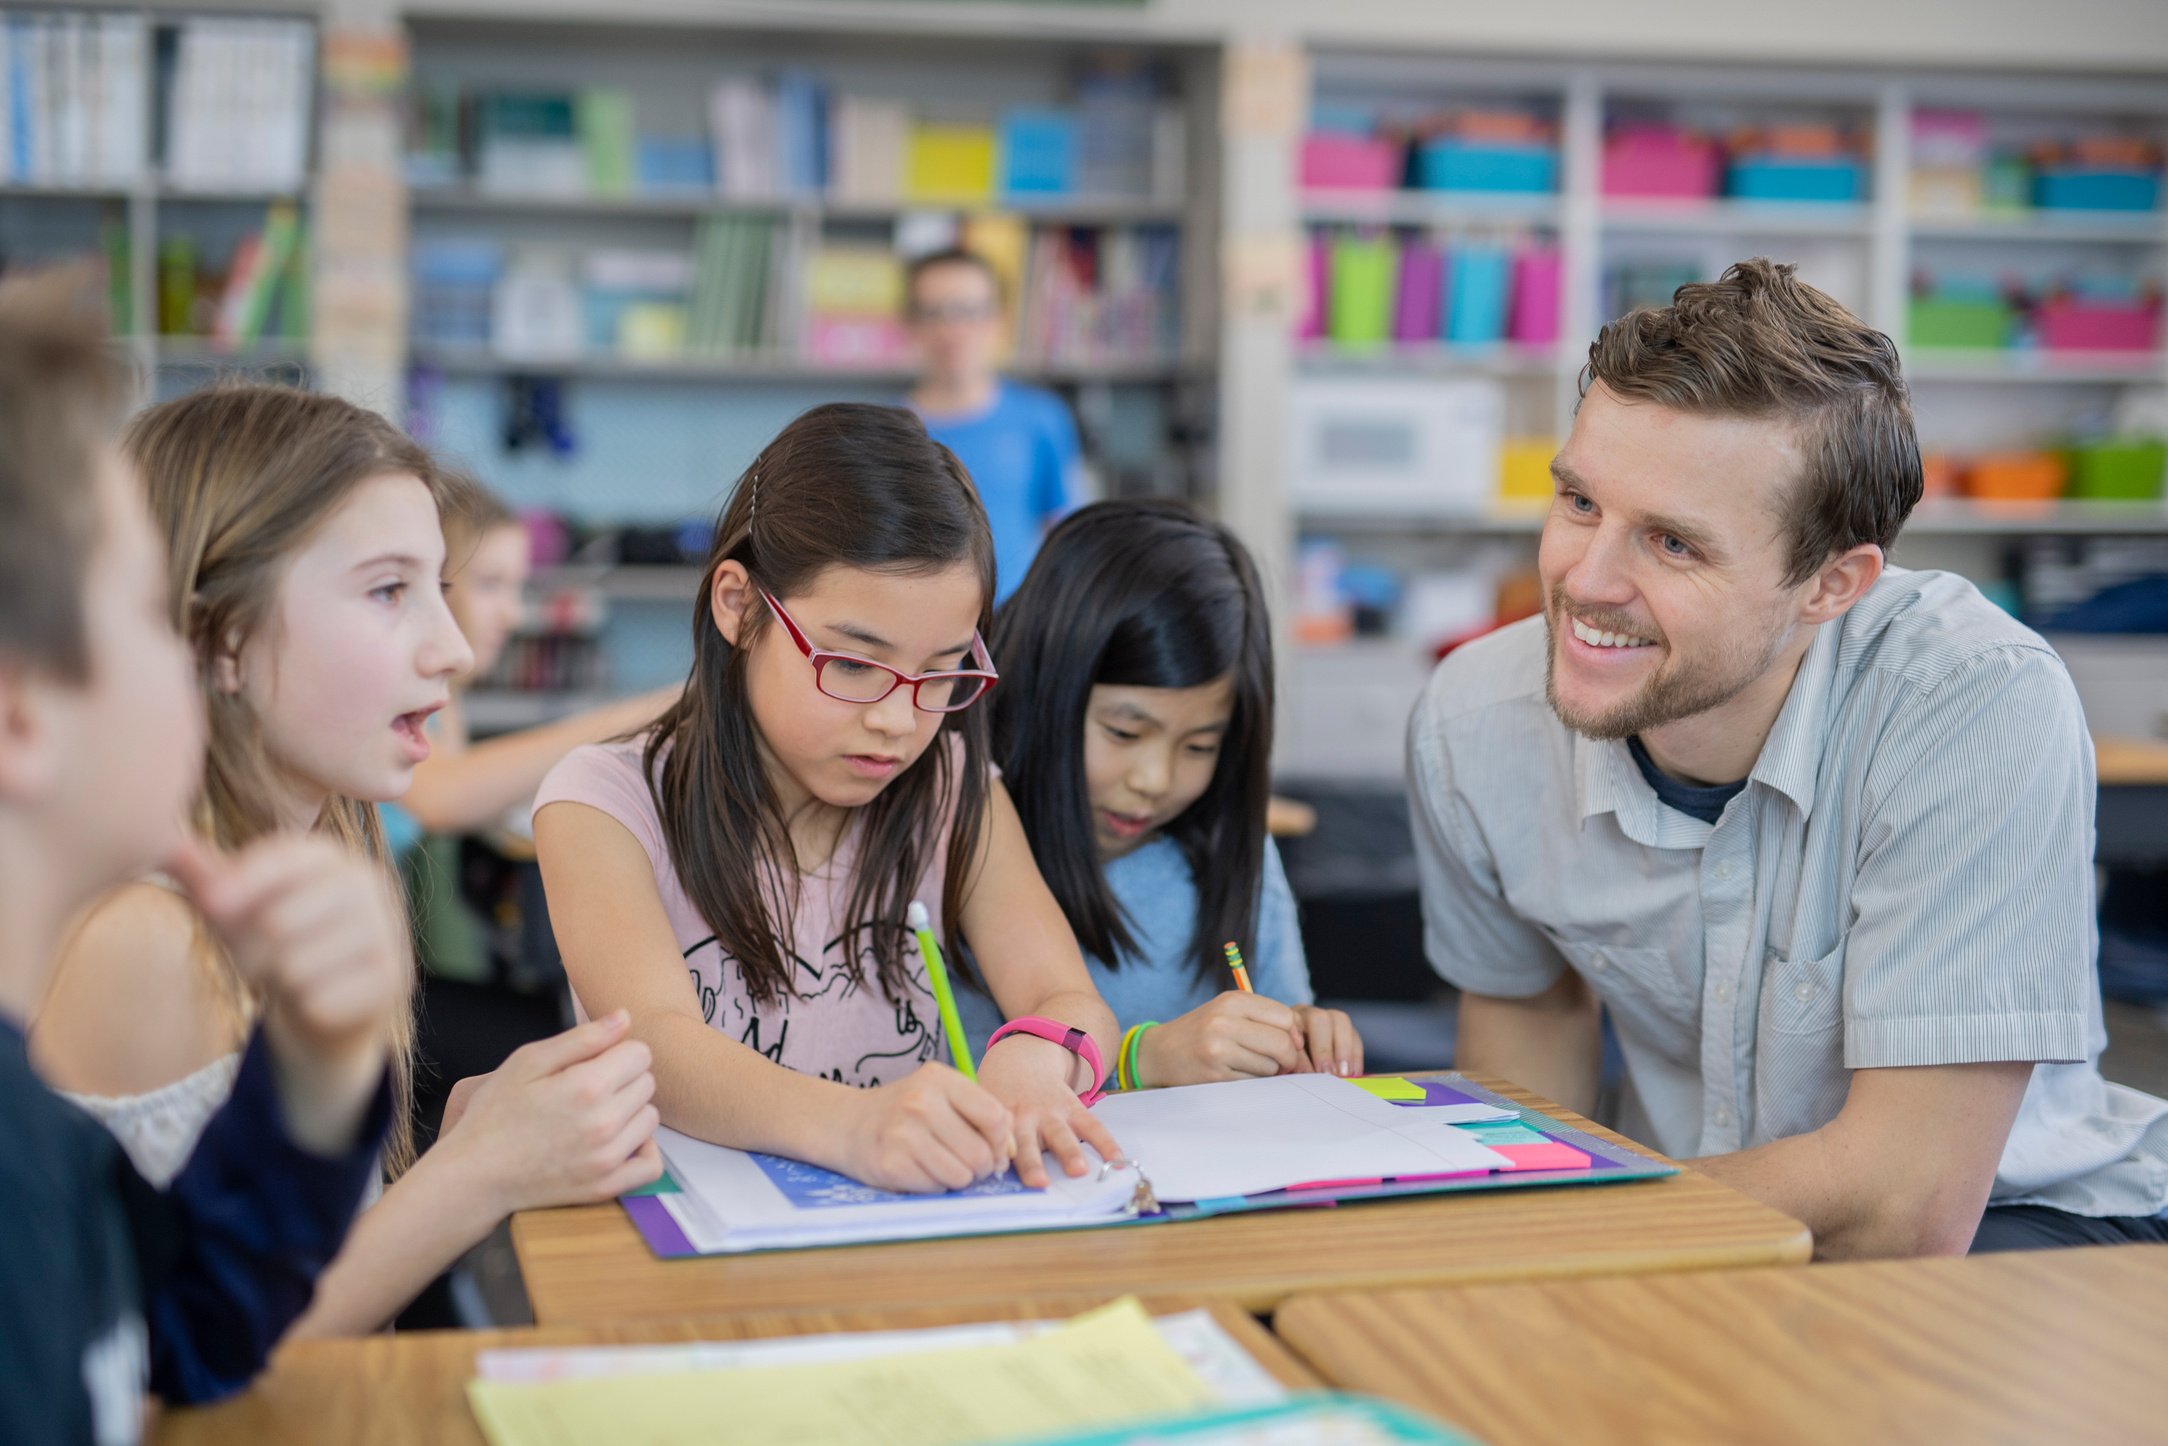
{"x":849,"y":678}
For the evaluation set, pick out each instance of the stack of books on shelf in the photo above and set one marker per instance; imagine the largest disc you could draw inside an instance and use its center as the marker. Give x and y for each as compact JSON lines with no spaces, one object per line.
{"x":1098,"y":297}
{"x":73,"y":96}
{"x":790,"y":138}
{"x":238,"y":104}
{"x":262,"y":293}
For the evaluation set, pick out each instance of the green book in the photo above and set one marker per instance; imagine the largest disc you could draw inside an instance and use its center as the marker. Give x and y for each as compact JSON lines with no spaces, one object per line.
{"x":281,"y":230}
{"x":605,"y":124}
{"x":177,"y":286}
{"x":294,"y":292}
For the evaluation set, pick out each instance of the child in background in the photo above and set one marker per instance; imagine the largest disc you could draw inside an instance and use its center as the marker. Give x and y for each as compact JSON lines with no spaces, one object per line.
{"x":1135,"y":730}
{"x":306,"y":561}
{"x":464,"y":786}
{"x":739,"y":878}
{"x":1017,"y":443}
{"x":106,"y":1284}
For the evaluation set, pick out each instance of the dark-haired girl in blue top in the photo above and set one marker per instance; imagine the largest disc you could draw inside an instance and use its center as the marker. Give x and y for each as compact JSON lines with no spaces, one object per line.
{"x":1134,"y":730}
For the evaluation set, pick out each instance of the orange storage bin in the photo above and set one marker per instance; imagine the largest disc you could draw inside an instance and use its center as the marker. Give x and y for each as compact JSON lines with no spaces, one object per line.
{"x":2018,"y":477}
{"x":1939,"y":475}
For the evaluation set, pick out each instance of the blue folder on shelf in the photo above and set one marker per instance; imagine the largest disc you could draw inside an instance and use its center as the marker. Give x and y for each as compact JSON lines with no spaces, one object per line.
{"x":1394,"y":1143}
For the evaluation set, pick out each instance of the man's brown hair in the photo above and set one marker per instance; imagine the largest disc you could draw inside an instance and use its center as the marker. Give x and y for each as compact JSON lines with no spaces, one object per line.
{"x":63,"y":392}
{"x":1760,"y":343}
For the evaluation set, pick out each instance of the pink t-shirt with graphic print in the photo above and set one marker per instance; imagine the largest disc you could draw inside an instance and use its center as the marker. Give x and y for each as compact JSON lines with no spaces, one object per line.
{"x":828,"y":1026}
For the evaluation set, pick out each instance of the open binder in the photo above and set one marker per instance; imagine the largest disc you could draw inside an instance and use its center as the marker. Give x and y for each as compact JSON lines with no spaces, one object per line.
{"x":1190,"y":1151}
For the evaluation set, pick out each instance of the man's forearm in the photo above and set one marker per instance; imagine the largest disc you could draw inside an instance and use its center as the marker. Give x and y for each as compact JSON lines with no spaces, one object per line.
{"x":1836,"y":1194}
{"x":1551,"y":1043}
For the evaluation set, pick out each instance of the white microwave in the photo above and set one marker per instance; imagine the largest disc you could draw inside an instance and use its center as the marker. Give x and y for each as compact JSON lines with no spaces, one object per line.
{"x":1395,"y":446}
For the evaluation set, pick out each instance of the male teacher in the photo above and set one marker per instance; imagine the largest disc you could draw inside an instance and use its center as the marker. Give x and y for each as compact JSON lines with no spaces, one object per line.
{"x":1816,"y":831}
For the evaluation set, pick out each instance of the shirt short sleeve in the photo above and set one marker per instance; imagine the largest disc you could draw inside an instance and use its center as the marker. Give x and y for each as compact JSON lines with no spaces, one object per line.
{"x":1471,"y":935}
{"x":607,"y":776}
{"x":1282,"y":972}
{"x":1972,"y":935}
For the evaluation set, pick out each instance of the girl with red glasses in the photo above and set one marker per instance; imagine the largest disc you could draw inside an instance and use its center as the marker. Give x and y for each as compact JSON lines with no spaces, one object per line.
{"x":738,"y":876}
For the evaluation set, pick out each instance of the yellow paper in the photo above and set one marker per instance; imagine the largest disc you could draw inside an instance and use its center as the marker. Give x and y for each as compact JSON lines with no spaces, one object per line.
{"x":1101,"y":1368}
{"x":1389,"y":1087}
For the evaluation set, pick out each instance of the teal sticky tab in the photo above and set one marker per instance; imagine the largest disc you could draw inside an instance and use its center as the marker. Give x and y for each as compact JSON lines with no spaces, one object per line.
{"x":1505,"y":1132}
{"x":663,"y":1185}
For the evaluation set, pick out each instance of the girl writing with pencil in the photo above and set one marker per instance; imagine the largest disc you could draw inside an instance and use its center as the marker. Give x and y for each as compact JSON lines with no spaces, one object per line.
{"x":1134,"y":729}
{"x":739,"y":876}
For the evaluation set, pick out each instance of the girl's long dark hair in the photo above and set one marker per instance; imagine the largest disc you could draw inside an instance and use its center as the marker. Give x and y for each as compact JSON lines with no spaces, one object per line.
{"x":1144,"y":595}
{"x":845,"y":485}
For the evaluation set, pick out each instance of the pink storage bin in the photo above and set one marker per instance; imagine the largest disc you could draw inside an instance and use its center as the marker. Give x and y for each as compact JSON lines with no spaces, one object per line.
{"x":1659,"y":161}
{"x":1534,"y":317}
{"x":2066,"y":324}
{"x":1336,"y":161}
{"x":1316,"y":290}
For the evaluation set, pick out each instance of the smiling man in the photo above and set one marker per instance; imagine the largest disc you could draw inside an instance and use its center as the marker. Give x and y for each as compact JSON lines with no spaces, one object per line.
{"x":1815,"y":831}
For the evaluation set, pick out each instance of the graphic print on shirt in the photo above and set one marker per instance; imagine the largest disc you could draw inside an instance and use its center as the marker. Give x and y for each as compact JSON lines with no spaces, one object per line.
{"x":830,"y":1025}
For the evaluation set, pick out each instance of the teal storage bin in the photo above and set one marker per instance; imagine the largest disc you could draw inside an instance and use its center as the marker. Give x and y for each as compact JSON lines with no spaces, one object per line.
{"x":1771,"y":178}
{"x":2097,"y":190}
{"x":1447,"y":164}
{"x":1477,"y":289}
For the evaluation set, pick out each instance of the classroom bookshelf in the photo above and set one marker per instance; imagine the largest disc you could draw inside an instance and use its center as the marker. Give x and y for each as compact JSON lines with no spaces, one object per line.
{"x":1908,"y":212}
{"x":705,"y":223}
{"x":175,"y":147}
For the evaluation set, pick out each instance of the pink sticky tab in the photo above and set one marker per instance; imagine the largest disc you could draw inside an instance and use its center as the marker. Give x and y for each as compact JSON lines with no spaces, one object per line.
{"x":1550,"y":1155}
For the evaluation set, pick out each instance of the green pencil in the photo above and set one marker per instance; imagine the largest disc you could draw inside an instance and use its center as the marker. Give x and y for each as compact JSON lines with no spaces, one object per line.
{"x":937,"y":974}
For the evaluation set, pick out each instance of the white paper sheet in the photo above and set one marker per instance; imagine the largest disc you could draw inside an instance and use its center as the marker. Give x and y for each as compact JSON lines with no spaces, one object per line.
{"x":1243,"y":1137}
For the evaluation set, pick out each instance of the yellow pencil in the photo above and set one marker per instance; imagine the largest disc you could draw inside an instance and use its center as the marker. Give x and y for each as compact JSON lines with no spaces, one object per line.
{"x":1234,"y":962}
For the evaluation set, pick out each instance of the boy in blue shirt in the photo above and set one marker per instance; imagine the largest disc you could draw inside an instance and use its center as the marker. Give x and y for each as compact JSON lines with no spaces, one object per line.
{"x":1018,"y":443}
{"x":106,"y":1284}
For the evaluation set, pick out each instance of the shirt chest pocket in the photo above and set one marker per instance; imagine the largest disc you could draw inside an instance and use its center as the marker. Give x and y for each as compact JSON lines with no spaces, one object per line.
{"x":1803,"y":996}
{"x":1643,"y":993}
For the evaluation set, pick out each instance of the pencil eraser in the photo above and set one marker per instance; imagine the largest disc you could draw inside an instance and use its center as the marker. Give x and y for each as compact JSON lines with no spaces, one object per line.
{"x":916,"y":916}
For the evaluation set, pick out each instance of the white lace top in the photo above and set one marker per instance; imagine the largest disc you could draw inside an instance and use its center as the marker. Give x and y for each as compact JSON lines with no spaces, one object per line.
{"x":159,"y":1130}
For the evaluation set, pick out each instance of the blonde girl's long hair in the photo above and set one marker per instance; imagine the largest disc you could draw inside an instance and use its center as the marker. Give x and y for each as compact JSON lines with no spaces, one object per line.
{"x":240,"y":477}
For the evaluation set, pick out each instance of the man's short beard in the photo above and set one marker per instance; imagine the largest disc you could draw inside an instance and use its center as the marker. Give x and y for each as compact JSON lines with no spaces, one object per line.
{"x":1663,"y":698}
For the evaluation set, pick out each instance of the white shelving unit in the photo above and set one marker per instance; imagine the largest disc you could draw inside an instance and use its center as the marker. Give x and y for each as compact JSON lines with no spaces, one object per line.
{"x":1865,"y":253}
{"x":145,"y":206}
{"x":933,"y":70}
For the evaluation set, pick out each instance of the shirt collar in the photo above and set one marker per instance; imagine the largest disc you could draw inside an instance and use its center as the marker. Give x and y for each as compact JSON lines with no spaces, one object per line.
{"x":1607,"y":781}
{"x":1791,"y":757}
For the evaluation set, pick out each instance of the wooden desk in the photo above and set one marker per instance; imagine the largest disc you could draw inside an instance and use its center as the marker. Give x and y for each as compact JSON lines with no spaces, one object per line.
{"x":2052,"y":1345}
{"x":411,"y":1390}
{"x":589,"y":1264}
{"x":2130,"y":761}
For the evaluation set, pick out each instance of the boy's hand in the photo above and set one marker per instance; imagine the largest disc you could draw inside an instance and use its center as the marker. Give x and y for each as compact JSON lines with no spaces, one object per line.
{"x":563,"y":1121}
{"x":1235,"y":1035}
{"x":316,"y":933}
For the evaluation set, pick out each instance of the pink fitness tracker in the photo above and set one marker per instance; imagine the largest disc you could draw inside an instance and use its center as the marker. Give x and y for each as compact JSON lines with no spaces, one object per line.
{"x":1069,"y":1037}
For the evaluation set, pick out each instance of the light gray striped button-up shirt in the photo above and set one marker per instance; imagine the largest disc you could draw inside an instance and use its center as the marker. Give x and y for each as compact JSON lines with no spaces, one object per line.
{"x":1906,"y":879}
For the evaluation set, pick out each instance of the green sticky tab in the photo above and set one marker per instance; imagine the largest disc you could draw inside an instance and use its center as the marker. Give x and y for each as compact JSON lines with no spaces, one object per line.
{"x":1505,"y":1132}
{"x":1389,"y":1087}
{"x":663,"y":1185}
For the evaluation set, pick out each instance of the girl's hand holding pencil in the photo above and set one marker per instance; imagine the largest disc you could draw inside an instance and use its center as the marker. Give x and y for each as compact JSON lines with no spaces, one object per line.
{"x":930,"y":1131}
